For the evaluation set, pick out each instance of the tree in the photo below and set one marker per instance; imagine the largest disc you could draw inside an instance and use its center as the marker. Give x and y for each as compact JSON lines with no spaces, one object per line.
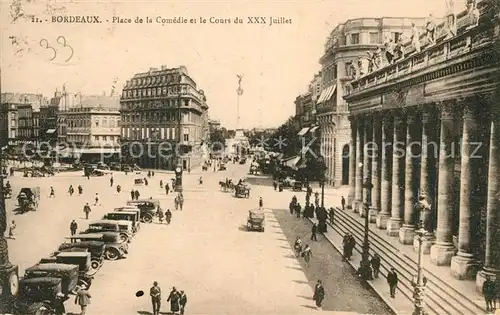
{"x":286,"y":140}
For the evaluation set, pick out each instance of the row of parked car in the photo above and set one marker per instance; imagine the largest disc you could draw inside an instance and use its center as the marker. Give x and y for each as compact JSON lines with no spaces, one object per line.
{"x":77,"y":260}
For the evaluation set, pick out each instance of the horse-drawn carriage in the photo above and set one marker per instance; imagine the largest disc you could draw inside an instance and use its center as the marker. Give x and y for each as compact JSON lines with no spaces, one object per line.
{"x":242,"y":191}
{"x":29,"y":198}
{"x":227,"y":185}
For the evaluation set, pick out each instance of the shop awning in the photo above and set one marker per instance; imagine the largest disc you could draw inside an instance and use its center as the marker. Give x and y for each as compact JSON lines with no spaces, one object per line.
{"x":313,"y":129}
{"x":51,"y":131}
{"x":302,"y":132}
{"x":327,"y":93}
{"x":292,"y":162}
{"x":321,"y":98}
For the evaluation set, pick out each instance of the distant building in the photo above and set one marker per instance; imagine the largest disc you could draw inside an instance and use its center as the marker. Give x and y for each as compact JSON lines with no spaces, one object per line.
{"x":214,"y":124}
{"x":151,"y":106}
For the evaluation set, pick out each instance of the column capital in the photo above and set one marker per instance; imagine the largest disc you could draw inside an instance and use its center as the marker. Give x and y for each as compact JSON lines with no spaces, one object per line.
{"x":448,"y":110}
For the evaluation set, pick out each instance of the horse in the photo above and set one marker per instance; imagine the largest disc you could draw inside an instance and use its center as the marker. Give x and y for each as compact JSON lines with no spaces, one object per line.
{"x":204,"y":168}
{"x":222,"y":185}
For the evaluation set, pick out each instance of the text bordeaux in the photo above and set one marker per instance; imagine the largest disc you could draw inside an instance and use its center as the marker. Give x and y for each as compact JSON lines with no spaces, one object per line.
{"x":92,"y":19}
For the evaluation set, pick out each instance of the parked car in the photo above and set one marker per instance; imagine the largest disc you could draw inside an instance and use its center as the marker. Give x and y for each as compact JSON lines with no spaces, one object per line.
{"x":149,"y":208}
{"x":37,"y":295}
{"x":256,"y":220}
{"x":114,"y":248}
{"x":86,"y":266}
{"x":103,"y":226}
{"x":132,"y":216}
{"x":222,"y":167}
{"x":96,"y":249}
{"x":29,"y":198}
{"x":69,"y":274}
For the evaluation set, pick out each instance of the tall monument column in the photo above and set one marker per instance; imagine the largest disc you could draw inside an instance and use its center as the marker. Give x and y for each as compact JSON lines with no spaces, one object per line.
{"x":359,"y":161}
{"x":398,"y":173}
{"x":407,"y":231}
{"x":386,"y":167}
{"x":352,"y":166}
{"x":464,"y":264}
{"x":443,"y":250}
{"x":492,"y":256}
{"x":376,"y":157}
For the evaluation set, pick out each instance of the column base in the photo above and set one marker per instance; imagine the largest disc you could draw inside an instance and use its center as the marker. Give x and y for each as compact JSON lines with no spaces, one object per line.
{"x":406,"y":234}
{"x":350,"y":201}
{"x":427,"y":243}
{"x":372,"y":214}
{"x":464,"y":266}
{"x":393,"y":226}
{"x":481,"y":278}
{"x":441,"y":254}
{"x":357,"y":205}
{"x":362,"y":211}
{"x":381,"y":220}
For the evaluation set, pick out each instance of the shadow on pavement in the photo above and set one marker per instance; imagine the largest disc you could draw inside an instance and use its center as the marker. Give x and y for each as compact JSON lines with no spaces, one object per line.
{"x":305,"y":297}
{"x":290,"y":256}
{"x":344,"y":291}
{"x":309,"y":306}
{"x":243,"y":228}
{"x":301,"y":282}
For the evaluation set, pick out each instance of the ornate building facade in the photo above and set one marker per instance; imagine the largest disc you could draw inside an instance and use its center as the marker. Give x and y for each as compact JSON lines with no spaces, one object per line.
{"x":344,"y":58}
{"x":162,"y":110}
{"x":435,"y":119}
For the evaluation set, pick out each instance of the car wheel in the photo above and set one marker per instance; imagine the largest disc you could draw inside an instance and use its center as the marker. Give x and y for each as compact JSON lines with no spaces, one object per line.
{"x":124,"y":237}
{"x":95,"y":264}
{"x":262,"y":230}
{"x":112,"y":254}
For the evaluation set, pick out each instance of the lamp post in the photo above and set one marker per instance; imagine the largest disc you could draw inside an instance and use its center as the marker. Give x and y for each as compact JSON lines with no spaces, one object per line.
{"x":179,"y":166}
{"x":365,"y":268}
{"x":419,"y":285}
{"x":322,"y":166}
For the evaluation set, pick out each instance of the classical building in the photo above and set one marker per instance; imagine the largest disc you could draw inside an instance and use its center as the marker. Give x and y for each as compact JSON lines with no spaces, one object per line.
{"x":93,"y":128}
{"x":163,"y":109}
{"x":52,"y":124}
{"x":435,"y":118}
{"x":344,"y":58}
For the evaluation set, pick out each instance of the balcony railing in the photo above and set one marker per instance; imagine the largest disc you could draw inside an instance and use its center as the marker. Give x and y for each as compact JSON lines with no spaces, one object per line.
{"x":469,"y":38}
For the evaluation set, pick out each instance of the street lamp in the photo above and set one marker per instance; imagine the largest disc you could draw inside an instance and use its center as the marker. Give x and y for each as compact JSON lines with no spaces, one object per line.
{"x":179,"y":166}
{"x":322,"y":166}
{"x":365,"y":269}
{"x":419,"y":285}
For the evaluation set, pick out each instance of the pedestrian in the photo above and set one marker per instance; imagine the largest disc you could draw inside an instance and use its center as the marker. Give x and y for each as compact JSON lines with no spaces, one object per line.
{"x":149,"y":174}
{"x":168,"y":216}
{"x":132,"y":194}
{"x":392,"y":280}
{"x":351,"y":244}
{"x":183,"y":301}
{"x":118,"y":188}
{"x":298,"y":209}
{"x":375,"y":262}
{"x":307,"y":254}
{"x":294,"y":199}
{"x":200,"y":181}
{"x":137,"y":194}
{"x":97,"y":200}
{"x":345,"y":245}
{"x":314,"y":229}
{"x":87,"y":210}
{"x":12,"y":230}
{"x":161,"y":184}
{"x":489,"y":293}
{"x":319,"y":294}
{"x":173,"y":298}
{"x":167,"y":188}
{"x":298,"y":246}
{"x":275,"y":185}
{"x":52,"y":192}
{"x":71,"y":190}
{"x":145,"y":181}
{"x":160,"y":215}
{"x":189,"y":169}
{"x":176,"y":202}
{"x":83,"y":299}
{"x":59,"y":308}
{"x":155,"y":293}
{"x":80,"y":189}
{"x":73,"y":227}
{"x":342,"y":202}
{"x":291,"y":206}
{"x":111,"y":181}
{"x":152,"y":173}
{"x":261,"y":203}
{"x":331,"y":214}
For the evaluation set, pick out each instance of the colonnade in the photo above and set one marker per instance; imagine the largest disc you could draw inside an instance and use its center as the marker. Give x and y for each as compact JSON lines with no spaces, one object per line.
{"x":412,"y":152}
{"x":328,"y":151}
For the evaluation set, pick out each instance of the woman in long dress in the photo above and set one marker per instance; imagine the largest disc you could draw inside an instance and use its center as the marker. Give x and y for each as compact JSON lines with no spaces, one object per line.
{"x":173,"y":298}
{"x":307,"y":254}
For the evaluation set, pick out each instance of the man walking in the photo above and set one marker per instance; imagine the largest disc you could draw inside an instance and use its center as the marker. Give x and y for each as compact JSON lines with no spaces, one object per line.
{"x":132,"y":194}
{"x":298,"y":209}
{"x":261,"y":203}
{"x":342,"y":202}
{"x":167,"y":189}
{"x":86,"y":210}
{"x":375,"y":262}
{"x":83,"y":299}
{"x":137,"y":194}
{"x":73,"y":227}
{"x":52,"y":192}
{"x":111,"y":181}
{"x":331,"y":214}
{"x":182,"y":302}
{"x":489,"y":293}
{"x":97,"y":200}
{"x":345,"y":245}
{"x":392,"y":280}
{"x":319,"y":294}
{"x":155,"y":293}
{"x":314,"y":229}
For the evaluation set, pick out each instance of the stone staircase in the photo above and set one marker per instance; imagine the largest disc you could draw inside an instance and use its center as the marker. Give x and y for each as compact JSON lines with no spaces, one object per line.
{"x":441,"y":297}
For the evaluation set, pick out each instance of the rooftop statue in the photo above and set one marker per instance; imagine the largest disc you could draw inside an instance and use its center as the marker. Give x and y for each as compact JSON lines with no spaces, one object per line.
{"x":430,"y":29}
{"x":415,"y":37}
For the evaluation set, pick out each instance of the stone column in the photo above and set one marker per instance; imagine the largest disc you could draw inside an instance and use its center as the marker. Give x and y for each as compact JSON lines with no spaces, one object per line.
{"x":492,"y":256}
{"x":464,"y":264}
{"x":407,"y":231}
{"x":359,"y":170}
{"x":367,"y":167}
{"x":443,"y":250}
{"x":352,"y":166}
{"x":386,"y":167}
{"x":398,"y":182}
{"x":376,"y":157}
{"x":427,"y":182}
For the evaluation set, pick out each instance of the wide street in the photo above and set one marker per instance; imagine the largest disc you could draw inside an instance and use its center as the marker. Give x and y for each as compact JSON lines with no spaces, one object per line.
{"x":205,"y":251}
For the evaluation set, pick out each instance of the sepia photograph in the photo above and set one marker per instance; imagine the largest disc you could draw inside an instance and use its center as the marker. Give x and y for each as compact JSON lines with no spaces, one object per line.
{"x":249,"y":157}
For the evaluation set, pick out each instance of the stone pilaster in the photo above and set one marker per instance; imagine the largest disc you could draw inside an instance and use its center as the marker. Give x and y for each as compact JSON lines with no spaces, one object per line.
{"x":407,"y":231}
{"x":443,"y":250}
{"x":359,"y":161}
{"x":386,"y":167}
{"x":376,"y":157}
{"x":352,"y":166}
{"x":492,"y":255}
{"x":367,"y":166}
{"x":398,"y":182}
{"x":427,"y":174}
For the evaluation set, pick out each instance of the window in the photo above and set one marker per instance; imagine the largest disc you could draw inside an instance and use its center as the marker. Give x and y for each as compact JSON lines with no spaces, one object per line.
{"x":374,"y":38}
{"x":96,"y":138}
{"x":105,"y":122}
{"x":13,"y":122}
{"x":186,"y":138}
{"x":186,"y":102}
{"x":355,"y":39}
{"x":396,"y":36}
{"x":97,"y":122}
{"x":105,"y":138}
{"x":348,"y":68}
{"x":153,"y":92}
{"x":335,"y":71}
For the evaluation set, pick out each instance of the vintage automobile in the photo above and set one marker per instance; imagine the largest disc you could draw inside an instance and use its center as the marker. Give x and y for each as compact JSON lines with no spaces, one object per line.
{"x":139,"y":181}
{"x":7,"y":193}
{"x":149,"y":208}
{"x":243,"y":160}
{"x":256,"y":220}
{"x":83,"y":260}
{"x":222,"y":167}
{"x":131,"y":216}
{"x":242,"y":191}
{"x":29,"y":198}
{"x":97,"y":173}
{"x":103,"y":226}
{"x":37,"y":296}
{"x":114,"y":247}
{"x":297,"y":185}
{"x":96,"y":249}
{"x":69,"y":274}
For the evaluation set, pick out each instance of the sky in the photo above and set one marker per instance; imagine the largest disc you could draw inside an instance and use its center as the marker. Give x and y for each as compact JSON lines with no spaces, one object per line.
{"x":277,"y":61}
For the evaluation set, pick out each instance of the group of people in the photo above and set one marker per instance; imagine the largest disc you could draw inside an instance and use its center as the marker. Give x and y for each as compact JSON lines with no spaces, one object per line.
{"x":177,"y":299}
